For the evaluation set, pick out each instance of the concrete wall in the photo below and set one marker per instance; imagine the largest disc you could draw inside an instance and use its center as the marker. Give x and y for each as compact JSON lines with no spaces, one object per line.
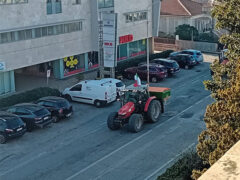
{"x":35,"y":51}
{"x":201,"y":46}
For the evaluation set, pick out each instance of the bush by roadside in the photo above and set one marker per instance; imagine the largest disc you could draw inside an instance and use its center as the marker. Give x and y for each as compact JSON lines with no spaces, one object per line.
{"x":134,"y":62}
{"x":182,"y":169}
{"x":28,"y":96}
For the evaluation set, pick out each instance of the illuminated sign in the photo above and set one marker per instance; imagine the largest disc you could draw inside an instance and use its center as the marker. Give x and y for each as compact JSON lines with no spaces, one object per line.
{"x":125,"y":39}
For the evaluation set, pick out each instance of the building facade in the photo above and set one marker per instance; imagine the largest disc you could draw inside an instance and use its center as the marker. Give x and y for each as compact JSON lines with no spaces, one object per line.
{"x":62,"y":35}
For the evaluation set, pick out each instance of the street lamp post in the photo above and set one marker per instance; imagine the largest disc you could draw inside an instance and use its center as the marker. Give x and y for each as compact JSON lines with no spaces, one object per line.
{"x":147,"y":54}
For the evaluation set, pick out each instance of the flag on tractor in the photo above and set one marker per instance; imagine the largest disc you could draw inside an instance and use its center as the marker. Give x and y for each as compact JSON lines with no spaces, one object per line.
{"x":137,"y":81}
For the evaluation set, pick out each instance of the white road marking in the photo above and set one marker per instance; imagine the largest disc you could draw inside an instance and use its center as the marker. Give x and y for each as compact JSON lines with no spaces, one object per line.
{"x":134,"y":140}
{"x":105,"y":157}
{"x":164,"y":165}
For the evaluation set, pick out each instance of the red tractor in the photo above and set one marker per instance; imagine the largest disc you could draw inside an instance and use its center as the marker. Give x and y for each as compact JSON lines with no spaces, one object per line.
{"x":139,"y":104}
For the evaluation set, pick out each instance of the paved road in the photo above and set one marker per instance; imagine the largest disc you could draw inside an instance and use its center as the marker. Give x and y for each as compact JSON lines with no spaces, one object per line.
{"x":84,"y":148}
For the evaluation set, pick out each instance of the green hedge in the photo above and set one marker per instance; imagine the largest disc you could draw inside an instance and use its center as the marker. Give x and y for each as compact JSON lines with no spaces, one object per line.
{"x":134,"y":62}
{"x":28,"y":96}
{"x":182,"y":169}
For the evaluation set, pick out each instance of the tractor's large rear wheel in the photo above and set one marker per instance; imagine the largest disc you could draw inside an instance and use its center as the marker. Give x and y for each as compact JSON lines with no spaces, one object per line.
{"x":111,"y":121}
{"x":154,"y":111}
{"x":136,"y":123}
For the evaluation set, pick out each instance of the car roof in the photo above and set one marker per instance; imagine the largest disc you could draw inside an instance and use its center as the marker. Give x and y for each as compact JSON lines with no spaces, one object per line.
{"x":166,"y":60}
{"x":110,"y":79}
{"x":184,"y":55}
{"x":29,"y":106}
{"x":191,"y":50}
{"x":95,"y":82}
{"x":152,"y":65}
{"x":51,"y":98}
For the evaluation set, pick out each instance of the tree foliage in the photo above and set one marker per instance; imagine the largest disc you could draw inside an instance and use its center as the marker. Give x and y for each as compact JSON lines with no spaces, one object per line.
{"x":186,"y":32}
{"x":222,"y":118}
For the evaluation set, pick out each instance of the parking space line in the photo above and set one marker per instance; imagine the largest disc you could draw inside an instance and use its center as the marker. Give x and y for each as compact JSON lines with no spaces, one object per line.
{"x":171,"y":160}
{"x":134,"y":140}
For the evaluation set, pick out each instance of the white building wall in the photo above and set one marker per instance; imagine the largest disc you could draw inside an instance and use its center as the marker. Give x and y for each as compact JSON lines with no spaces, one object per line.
{"x":35,"y":51}
{"x":138,"y":28}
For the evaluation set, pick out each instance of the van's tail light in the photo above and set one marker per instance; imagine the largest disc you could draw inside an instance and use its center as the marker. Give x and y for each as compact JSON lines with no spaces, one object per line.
{"x":105,"y":95}
{"x":9,"y":130}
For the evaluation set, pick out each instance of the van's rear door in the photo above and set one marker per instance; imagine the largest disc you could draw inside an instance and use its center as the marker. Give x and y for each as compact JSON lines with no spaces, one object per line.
{"x":111,"y":92}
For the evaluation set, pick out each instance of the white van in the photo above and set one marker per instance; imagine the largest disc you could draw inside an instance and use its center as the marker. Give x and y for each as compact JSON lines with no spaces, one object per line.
{"x":97,"y":92}
{"x":119,"y":85}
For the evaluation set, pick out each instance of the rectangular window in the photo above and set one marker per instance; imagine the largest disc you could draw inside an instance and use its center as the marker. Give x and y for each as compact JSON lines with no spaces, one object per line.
{"x":136,"y":16}
{"x":38,"y":32}
{"x":13,"y":36}
{"x":58,"y":6}
{"x":44,"y":31}
{"x":6,"y":37}
{"x":50,"y":31}
{"x":59,"y":29}
{"x":13,"y":1}
{"x":21,"y":35}
{"x":77,"y":2}
{"x":49,"y":6}
{"x":105,"y":3}
{"x":28,"y":34}
{"x":66,"y":28}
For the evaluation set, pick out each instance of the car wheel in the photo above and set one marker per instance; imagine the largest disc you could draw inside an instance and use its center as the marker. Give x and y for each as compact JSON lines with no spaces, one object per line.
{"x":98,"y":103}
{"x":154,"y":111}
{"x":154,"y":79}
{"x":2,"y":139}
{"x":55,"y":119}
{"x":135,"y":123}
{"x":186,"y":67}
{"x":111,"y":121}
{"x":68,"y":97}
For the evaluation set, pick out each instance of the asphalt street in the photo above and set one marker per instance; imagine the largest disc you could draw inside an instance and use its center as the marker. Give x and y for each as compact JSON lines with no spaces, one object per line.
{"x":82,"y":147}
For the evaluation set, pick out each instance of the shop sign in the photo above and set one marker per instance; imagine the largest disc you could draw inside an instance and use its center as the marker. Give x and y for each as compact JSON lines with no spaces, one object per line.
{"x":125,"y":39}
{"x":48,"y":73}
{"x":109,"y":39}
{"x":2,"y":66}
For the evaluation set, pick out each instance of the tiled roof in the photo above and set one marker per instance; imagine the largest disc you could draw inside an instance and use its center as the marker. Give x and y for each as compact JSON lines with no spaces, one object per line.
{"x":181,"y":8}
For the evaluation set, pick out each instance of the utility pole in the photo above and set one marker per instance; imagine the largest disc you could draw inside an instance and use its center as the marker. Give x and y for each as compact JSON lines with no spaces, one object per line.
{"x":147,"y":54}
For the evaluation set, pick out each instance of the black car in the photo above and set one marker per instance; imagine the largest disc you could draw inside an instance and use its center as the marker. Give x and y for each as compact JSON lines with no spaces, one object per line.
{"x":184,"y":60}
{"x":10,"y":126}
{"x":59,"y":107}
{"x":171,"y":65}
{"x":32,"y":114}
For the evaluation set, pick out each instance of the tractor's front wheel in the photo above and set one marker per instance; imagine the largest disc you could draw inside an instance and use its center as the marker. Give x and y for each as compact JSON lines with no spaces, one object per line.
{"x":135,"y":123}
{"x":111,"y":121}
{"x":154,"y":111}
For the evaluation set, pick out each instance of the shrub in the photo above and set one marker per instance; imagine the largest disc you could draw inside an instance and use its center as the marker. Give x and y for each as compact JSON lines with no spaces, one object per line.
{"x":182,"y":169}
{"x":134,"y":62}
{"x":208,"y":37}
{"x":28,"y":96}
{"x":186,"y":32}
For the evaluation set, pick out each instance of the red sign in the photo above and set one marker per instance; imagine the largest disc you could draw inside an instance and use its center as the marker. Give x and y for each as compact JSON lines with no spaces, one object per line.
{"x":125,"y":39}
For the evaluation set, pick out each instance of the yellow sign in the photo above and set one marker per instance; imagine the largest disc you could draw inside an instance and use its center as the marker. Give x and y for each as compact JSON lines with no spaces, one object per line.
{"x":70,"y":61}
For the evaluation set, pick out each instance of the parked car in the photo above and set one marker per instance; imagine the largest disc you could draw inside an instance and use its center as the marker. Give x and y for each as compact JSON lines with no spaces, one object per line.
{"x":97,"y":92}
{"x":120,"y":86}
{"x":59,"y":107}
{"x":10,"y":126}
{"x":171,"y":65}
{"x":184,"y":60}
{"x":32,"y":114}
{"x":197,"y":55}
{"x":156,"y":72}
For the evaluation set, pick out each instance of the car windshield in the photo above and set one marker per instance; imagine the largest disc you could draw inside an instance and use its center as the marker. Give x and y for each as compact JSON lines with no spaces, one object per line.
{"x":13,"y":122}
{"x":120,"y":84}
{"x":188,"y":52}
{"x":63,"y":104}
{"x":174,"y":65}
{"x":199,"y":54}
{"x":41,"y":112}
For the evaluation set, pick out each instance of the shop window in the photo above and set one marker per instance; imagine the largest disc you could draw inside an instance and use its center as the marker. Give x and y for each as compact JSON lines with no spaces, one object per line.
{"x":133,"y":48}
{"x":74,"y":64}
{"x":122,"y":52}
{"x":93,"y":60}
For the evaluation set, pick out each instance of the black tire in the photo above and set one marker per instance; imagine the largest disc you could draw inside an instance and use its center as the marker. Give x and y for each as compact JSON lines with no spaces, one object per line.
{"x":154,"y":111}
{"x":55,"y":119}
{"x":186,"y":67}
{"x":2,"y":139}
{"x":154,"y":80}
{"x":98,"y":103}
{"x":111,"y":121}
{"x":68,"y":97}
{"x":135,"y":123}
